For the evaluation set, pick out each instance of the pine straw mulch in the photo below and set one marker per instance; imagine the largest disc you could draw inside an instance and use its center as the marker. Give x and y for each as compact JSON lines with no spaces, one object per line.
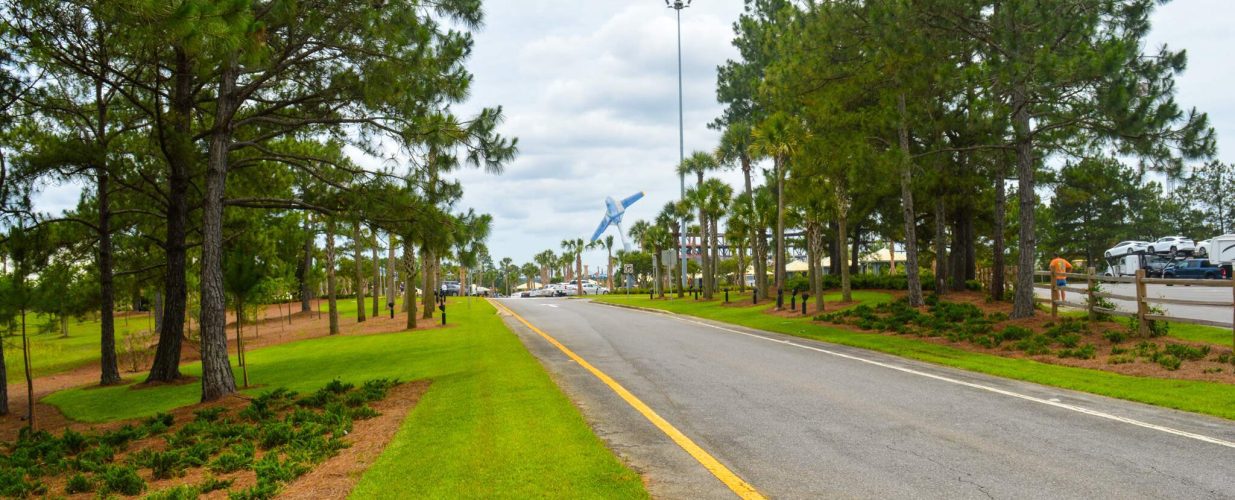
{"x":333,"y":478}
{"x":273,"y":329}
{"x":1209,"y":369}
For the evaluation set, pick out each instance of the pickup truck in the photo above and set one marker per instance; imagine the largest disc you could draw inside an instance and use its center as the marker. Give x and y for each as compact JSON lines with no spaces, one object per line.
{"x":1194,"y":269}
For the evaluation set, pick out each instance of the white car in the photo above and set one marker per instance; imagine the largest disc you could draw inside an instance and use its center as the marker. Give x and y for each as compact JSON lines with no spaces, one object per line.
{"x":1126,"y":247}
{"x":1173,"y":244}
{"x":1202,"y":248}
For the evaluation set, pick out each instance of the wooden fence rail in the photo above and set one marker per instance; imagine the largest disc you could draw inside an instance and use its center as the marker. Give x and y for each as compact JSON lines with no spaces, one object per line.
{"x":1143,"y":315}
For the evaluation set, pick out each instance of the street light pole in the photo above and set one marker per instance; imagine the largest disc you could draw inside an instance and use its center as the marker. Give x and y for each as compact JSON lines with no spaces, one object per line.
{"x":678,"y":5}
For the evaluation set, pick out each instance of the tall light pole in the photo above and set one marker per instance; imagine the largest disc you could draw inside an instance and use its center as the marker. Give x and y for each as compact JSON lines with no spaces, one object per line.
{"x":678,"y":5}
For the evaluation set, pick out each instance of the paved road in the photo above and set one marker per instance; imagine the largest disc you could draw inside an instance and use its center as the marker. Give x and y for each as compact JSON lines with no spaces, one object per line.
{"x":1212,"y":313}
{"x":799,"y":419}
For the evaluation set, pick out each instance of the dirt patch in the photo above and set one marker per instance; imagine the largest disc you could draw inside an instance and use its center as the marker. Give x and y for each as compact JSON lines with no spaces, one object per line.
{"x":336,"y":477}
{"x":273,"y":329}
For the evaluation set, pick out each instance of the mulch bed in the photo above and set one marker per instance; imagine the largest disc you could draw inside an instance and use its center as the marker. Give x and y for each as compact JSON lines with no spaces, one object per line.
{"x":1206,"y":369}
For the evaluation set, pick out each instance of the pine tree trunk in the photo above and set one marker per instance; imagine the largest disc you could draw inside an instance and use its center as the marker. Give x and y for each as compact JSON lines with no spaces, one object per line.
{"x":427,"y":260}
{"x":998,"y":247}
{"x":780,"y":224}
{"x":304,"y":269}
{"x":377,"y":278}
{"x":217,"y":377}
{"x":359,"y":258}
{"x":1022,"y":305}
{"x":330,"y":277}
{"x":409,"y":283}
{"x":110,"y":373}
{"x":754,"y":231}
{"x":392,"y":287}
{"x":941,"y":249}
{"x":4,"y":381}
{"x":908,"y":213}
{"x":25,"y":351}
{"x":842,"y":234}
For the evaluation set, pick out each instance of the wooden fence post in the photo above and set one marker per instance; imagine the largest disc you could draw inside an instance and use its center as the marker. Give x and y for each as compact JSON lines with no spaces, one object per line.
{"x":1142,"y":307}
{"x":1054,"y":296}
{"x":1093,"y":300}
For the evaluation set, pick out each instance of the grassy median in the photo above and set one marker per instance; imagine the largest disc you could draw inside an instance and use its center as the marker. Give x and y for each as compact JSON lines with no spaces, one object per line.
{"x":1201,"y":397}
{"x":492,"y":423}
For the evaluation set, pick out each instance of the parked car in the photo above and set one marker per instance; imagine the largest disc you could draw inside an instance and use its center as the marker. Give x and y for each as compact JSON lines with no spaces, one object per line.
{"x":1155,"y":265}
{"x":450,"y":288}
{"x":1202,"y":248}
{"x":1173,"y":244}
{"x":1194,"y":269}
{"x":1126,"y":247}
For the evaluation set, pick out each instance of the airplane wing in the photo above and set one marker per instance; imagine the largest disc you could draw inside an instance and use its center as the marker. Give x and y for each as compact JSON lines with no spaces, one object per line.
{"x":632,"y":199}
{"x":604,"y":224}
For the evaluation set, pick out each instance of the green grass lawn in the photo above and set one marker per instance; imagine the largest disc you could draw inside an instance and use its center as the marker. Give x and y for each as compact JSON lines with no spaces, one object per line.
{"x":1201,"y":333}
{"x":51,"y":353}
{"x":491,"y":425}
{"x":1201,"y":397}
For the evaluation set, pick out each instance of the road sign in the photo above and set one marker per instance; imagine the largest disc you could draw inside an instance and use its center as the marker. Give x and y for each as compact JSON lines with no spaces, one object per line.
{"x":629,"y":268}
{"x":669,"y":258}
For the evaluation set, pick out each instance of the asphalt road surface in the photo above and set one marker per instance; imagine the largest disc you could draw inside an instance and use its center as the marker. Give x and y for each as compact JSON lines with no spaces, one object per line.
{"x":1211,"y":313}
{"x":802,"y":419}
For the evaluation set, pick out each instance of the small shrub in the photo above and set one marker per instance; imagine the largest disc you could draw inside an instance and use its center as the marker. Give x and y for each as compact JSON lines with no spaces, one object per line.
{"x":209,"y":414}
{"x":121,"y":479}
{"x":1115,"y":336}
{"x":1169,"y":362}
{"x":276,"y":434}
{"x":259,"y":491}
{"x":1116,"y":350}
{"x":166,"y":464}
{"x":1035,"y":345}
{"x":240,"y":457}
{"x":1069,"y":340}
{"x":74,"y":442}
{"x":338,"y":386}
{"x":1216,"y":369}
{"x":1224,"y":358}
{"x":78,"y":483}
{"x":1186,"y":352}
{"x":137,"y":350}
{"x":270,"y":469}
{"x":987,"y":341}
{"x":1121,"y":359}
{"x":211,"y":483}
{"x":180,"y":492}
{"x":1016,"y":333}
{"x":1086,"y":351}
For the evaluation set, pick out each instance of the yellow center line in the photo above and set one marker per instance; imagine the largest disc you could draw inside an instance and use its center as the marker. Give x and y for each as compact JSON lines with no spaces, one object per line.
{"x":741,"y":488}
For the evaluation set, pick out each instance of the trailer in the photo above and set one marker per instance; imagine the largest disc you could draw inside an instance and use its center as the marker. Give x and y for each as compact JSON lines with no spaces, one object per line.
{"x":1222,"y":252}
{"x":1154,"y":265}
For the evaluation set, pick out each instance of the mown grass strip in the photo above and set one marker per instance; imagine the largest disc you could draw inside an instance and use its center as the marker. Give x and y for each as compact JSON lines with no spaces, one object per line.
{"x":491,"y":425}
{"x":1201,"y":397}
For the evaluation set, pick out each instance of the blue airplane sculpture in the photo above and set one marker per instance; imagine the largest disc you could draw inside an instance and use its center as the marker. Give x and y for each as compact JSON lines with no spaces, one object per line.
{"x":613,"y":215}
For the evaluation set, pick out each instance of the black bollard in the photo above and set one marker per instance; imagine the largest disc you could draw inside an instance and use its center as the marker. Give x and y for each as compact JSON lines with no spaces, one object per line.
{"x":442,"y":308}
{"x":754,"y":297}
{"x":805,"y":297}
{"x":651,"y":294}
{"x":726,"y":295}
{"x":780,"y":298}
{"x":793,"y":301}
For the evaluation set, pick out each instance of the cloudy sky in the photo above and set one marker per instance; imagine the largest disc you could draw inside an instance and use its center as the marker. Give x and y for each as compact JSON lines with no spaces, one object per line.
{"x":590,"y":89}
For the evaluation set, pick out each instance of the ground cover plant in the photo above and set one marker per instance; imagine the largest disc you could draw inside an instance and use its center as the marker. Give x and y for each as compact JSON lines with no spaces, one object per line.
{"x":1202,"y":386}
{"x":277,"y":437}
{"x":491,"y":422}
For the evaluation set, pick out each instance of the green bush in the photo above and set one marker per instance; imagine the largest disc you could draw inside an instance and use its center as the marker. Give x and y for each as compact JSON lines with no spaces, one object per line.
{"x":1086,"y":351}
{"x":180,"y":492}
{"x":1121,"y":359}
{"x":78,"y":483}
{"x":259,"y":491}
{"x":1169,"y":362}
{"x":209,"y":414}
{"x":270,"y":469}
{"x":211,"y":483}
{"x":1068,"y":340}
{"x":121,"y":479}
{"x":1114,"y":336}
{"x":276,"y":434}
{"x":1014,"y":332}
{"x":1035,"y":345}
{"x":1185,"y":352}
{"x":13,"y":483}
{"x":240,"y":457}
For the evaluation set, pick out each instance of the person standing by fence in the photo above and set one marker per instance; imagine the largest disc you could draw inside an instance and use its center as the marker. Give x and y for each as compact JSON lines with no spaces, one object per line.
{"x":1059,"y":269}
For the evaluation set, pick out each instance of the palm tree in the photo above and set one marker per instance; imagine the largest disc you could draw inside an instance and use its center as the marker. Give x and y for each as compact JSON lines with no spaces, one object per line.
{"x":716,"y":198}
{"x":506,"y":266}
{"x":547,"y":260}
{"x":529,"y":271}
{"x":738,"y":232}
{"x":699,"y":163}
{"x":777,"y":138}
{"x":607,"y":244}
{"x":574,"y":248}
{"x":668,"y":218}
{"x":735,"y":146}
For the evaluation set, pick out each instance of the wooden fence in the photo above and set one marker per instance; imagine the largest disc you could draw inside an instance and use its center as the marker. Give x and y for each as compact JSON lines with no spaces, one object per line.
{"x":1141,"y":298}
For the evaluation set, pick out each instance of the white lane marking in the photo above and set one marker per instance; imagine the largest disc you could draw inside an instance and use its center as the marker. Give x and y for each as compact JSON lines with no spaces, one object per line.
{"x":550,"y":305}
{"x":996,"y":390}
